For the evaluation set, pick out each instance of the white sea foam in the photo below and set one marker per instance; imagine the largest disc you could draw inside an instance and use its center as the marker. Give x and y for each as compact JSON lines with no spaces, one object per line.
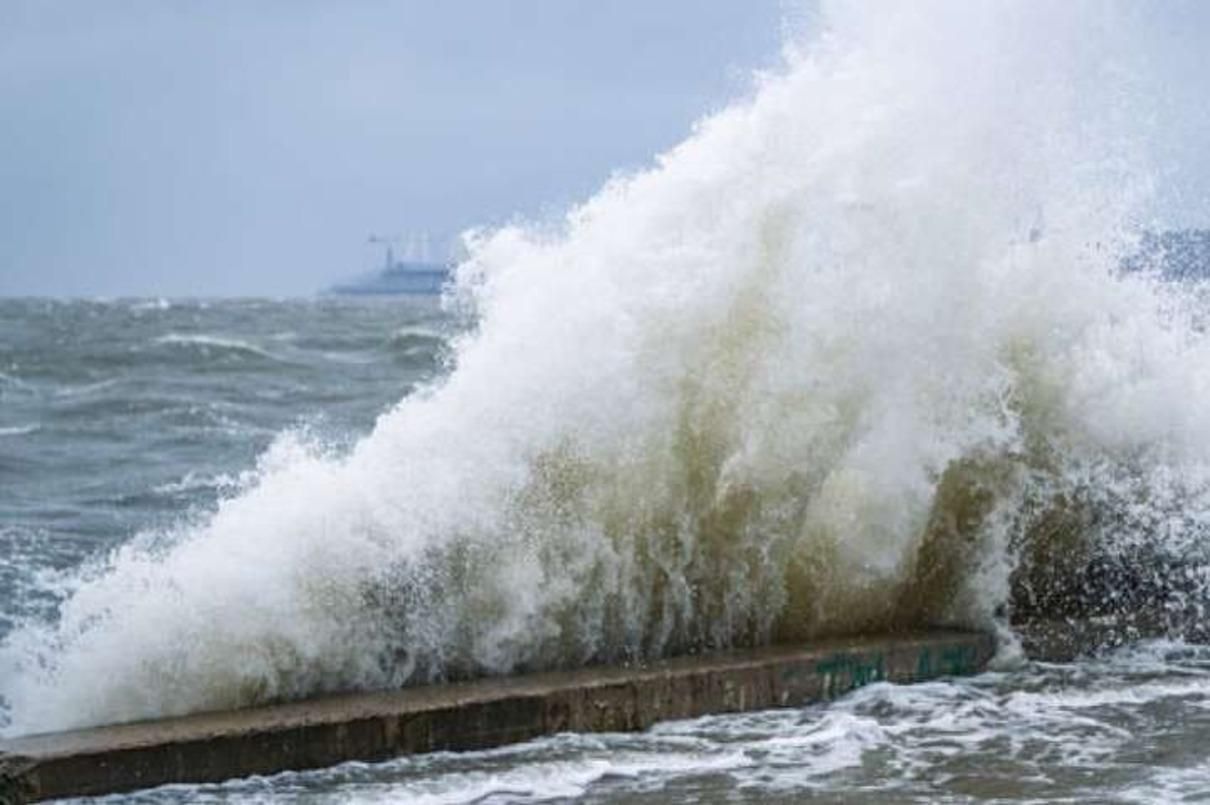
{"x":145,"y":305}
{"x":13,"y":382}
{"x":418,"y":332}
{"x":86,"y":389}
{"x":191,"y":482}
{"x":216,"y":343}
{"x":834,"y":363}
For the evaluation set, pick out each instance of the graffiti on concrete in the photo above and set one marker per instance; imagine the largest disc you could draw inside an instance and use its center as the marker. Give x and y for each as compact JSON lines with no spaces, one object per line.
{"x":957,"y":660}
{"x":842,"y":671}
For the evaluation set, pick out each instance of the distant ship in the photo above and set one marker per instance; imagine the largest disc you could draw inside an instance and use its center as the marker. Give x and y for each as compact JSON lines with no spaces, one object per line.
{"x":419,"y":277}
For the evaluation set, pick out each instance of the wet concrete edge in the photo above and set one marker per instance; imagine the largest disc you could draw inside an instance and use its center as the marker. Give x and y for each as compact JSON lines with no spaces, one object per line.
{"x":212,"y":747}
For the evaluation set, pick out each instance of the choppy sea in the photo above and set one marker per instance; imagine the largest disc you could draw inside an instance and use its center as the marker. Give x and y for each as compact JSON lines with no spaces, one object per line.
{"x":129,"y":416}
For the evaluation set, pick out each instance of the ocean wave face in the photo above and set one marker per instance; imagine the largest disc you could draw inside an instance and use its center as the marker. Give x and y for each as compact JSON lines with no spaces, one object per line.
{"x":855,"y":356}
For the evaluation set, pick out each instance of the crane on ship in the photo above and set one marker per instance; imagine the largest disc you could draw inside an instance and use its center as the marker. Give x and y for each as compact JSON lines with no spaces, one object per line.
{"x":416,"y":251}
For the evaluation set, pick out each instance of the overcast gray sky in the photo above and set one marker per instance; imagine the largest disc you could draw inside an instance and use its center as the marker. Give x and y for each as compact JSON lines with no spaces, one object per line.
{"x":210,"y":147}
{"x":165,"y":147}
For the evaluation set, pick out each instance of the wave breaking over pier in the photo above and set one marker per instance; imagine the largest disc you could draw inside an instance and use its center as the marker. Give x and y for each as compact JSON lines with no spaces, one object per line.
{"x":855,"y":356}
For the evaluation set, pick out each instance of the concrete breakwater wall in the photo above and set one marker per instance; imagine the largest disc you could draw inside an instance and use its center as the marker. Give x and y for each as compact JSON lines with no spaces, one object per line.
{"x":212,"y":747}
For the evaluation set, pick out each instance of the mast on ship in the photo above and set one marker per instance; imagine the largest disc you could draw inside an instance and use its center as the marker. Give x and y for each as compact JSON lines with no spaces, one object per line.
{"x":390,"y":253}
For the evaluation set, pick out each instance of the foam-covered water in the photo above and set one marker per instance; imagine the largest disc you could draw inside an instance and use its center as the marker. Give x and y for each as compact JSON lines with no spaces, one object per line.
{"x":859,"y":354}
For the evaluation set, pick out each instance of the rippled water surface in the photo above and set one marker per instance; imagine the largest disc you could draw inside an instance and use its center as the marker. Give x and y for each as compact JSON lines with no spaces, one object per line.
{"x":118,"y":417}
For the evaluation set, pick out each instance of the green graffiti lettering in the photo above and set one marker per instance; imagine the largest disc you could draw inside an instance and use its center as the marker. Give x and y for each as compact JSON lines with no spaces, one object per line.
{"x":844,"y":672}
{"x":948,"y":661}
{"x":958,"y":660}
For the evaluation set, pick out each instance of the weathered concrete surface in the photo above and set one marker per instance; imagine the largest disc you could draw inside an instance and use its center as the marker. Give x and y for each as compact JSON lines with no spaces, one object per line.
{"x":474,"y":715}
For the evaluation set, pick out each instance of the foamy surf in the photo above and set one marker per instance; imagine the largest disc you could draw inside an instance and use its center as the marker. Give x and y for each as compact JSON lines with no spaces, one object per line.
{"x":19,"y":430}
{"x":216,"y":344}
{"x":841,"y":361}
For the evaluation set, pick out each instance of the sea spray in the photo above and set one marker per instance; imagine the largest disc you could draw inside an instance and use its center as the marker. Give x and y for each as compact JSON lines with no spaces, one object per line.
{"x":840,"y":361}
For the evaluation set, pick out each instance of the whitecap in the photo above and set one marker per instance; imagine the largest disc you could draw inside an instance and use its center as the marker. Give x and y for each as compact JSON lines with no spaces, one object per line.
{"x":219,"y":343}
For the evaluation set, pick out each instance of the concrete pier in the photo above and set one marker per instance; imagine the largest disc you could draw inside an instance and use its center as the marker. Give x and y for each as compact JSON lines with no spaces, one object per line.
{"x":212,"y":747}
